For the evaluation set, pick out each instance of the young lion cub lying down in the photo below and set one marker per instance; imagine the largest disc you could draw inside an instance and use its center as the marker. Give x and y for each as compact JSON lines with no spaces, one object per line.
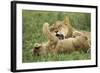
{"x":63,"y":29}
{"x":68,"y":45}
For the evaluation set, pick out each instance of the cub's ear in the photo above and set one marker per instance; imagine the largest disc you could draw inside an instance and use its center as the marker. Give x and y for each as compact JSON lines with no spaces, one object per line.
{"x":36,"y":49}
{"x":37,"y":45}
{"x":66,"y":20}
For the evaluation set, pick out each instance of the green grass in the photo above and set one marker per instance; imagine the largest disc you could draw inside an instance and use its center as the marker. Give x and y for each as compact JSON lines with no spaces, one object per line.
{"x":32,"y":33}
{"x":58,"y":57}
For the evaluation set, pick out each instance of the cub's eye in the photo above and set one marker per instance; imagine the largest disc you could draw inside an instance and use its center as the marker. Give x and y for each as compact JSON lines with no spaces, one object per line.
{"x":56,"y":31}
{"x":60,"y":25}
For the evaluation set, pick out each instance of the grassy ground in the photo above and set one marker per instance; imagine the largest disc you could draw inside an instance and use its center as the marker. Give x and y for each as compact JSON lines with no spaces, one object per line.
{"x":32,"y":33}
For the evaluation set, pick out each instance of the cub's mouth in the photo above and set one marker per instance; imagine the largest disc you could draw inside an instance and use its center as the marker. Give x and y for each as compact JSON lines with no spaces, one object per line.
{"x":60,"y":36}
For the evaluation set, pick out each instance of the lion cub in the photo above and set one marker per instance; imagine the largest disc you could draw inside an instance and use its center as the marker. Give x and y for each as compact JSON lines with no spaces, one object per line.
{"x":55,"y":45}
{"x":63,"y":30}
{"x":72,"y":44}
{"x":69,"y":44}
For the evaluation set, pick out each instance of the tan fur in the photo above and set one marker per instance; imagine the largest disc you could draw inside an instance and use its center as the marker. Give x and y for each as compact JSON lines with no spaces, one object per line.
{"x":64,"y":27}
{"x":44,"y":48}
{"x":54,"y":45}
{"x":69,"y":44}
{"x":72,"y":44}
{"x":85,"y":33}
{"x":73,"y":38}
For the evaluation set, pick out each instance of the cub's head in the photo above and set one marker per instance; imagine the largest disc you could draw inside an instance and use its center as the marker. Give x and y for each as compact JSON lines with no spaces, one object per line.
{"x":61,"y":29}
{"x":77,"y":33}
{"x":56,"y":29}
{"x":83,"y":40}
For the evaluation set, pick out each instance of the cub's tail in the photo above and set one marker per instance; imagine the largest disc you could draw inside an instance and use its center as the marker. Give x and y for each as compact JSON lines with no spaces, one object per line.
{"x":49,"y":34}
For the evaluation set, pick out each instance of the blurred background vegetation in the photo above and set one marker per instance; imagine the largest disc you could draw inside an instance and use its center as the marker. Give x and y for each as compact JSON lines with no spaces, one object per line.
{"x":32,"y":32}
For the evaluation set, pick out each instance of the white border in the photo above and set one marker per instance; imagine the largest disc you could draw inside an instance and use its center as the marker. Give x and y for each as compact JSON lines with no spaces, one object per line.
{"x":21,"y":65}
